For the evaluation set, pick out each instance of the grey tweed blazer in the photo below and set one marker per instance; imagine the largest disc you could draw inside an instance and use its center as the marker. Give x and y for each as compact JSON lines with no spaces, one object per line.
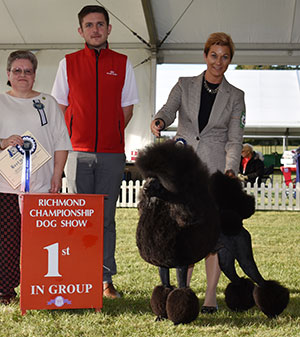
{"x":219,"y":144}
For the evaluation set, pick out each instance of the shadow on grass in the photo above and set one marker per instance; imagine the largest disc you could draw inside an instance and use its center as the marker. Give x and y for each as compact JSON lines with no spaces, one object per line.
{"x":294,"y":291}
{"x":141,"y":305}
{"x":137,"y":304}
{"x":251,"y":317}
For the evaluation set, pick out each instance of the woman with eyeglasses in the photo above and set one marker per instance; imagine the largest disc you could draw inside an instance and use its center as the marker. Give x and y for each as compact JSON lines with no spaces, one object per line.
{"x":23,"y":109}
{"x":211,"y":118}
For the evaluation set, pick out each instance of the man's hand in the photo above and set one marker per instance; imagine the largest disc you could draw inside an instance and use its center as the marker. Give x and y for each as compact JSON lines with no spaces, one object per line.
{"x":242,"y":177}
{"x":230,"y":173}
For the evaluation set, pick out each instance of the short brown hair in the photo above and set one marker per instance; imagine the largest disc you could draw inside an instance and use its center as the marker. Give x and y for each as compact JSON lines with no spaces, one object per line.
{"x":220,"y":39}
{"x":21,"y":54}
{"x":92,"y":9}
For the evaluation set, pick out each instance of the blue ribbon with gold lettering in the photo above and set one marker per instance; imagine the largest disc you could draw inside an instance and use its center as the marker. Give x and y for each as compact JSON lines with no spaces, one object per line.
{"x":27,"y":149}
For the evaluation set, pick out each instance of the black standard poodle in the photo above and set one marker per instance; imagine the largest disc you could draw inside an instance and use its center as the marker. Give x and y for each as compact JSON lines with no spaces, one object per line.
{"x":184,"y":215}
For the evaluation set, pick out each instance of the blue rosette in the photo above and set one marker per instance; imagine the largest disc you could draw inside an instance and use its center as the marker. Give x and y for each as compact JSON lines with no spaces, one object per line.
{"x":27,"y":149}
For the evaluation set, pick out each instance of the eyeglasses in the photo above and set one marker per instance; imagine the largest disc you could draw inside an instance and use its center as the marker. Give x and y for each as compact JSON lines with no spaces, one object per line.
{"x":19,"y":71}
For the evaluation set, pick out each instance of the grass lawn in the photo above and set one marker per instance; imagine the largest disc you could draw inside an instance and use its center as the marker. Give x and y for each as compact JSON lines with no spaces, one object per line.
{"x":275,"y":238}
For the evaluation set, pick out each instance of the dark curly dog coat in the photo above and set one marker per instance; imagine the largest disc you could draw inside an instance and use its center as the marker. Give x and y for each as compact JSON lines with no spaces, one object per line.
{"x":178,"y":226}
{"x":235,"y":244}
{"x":184,"y":215}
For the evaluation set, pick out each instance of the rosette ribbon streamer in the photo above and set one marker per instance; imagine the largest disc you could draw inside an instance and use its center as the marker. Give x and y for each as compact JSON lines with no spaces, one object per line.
{"x":27,"y":149}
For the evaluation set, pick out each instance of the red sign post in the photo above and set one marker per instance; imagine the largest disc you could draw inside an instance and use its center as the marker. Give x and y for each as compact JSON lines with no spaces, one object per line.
{"x":61,"y":251}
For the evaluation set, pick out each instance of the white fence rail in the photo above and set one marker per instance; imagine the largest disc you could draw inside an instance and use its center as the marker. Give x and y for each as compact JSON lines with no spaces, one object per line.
{"x":267,"y":197}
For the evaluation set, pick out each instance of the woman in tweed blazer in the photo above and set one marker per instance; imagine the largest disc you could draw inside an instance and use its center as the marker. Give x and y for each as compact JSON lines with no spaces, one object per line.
{"x":211,"y":118}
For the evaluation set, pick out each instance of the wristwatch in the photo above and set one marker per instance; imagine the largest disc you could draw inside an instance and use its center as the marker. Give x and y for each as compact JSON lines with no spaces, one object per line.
{"x":1,"y":143}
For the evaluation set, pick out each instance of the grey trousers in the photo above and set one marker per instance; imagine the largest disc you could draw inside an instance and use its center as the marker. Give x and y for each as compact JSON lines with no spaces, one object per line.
{"x":99,"y":173}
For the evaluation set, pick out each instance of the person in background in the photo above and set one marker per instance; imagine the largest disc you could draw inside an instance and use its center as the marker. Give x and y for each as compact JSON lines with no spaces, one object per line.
{"x":96,"y":90}
{"x":251,"y":166}
{"x":24,"y":109}
{"x":211,"y":118}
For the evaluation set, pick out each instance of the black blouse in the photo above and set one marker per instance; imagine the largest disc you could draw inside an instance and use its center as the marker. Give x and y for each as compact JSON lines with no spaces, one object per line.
{"x":207,"y":101}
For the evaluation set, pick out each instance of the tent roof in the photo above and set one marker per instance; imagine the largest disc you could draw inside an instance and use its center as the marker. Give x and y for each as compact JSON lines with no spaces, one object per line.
{"x":264,"y":31}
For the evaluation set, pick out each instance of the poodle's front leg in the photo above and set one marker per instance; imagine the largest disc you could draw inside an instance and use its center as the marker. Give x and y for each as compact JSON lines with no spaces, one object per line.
{"x":181,"y":274}
{"x":160,"y":294}
{"x":164,"y":274}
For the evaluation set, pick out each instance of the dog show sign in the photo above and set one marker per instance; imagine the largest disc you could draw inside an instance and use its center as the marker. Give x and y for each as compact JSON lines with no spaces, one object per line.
{"x":61,"y":251}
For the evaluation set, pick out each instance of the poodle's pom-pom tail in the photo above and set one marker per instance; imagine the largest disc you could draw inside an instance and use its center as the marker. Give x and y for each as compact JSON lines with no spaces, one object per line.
{"x":182,"y":306}
{"x":239,"y":296}
{"x":158,"y":301}
{"x":271,"y":298}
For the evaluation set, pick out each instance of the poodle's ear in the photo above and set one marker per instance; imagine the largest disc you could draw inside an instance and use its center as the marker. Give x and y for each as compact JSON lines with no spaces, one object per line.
{"x":229,"y":195}
{"x":152,"y":162}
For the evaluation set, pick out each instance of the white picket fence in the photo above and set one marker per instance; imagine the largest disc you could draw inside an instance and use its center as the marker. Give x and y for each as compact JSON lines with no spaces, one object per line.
{"x":129,"y":193}
{"x":267,"y":197}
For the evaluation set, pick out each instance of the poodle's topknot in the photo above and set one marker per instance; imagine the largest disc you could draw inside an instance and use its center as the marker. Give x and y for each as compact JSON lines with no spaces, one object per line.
{"x":177,"y":167}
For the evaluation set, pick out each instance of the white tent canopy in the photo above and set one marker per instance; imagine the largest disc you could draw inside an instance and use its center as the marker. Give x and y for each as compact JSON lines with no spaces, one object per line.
{"x":174,"y":31}
{"x":265,"y":31}
{"x":272,"y":100}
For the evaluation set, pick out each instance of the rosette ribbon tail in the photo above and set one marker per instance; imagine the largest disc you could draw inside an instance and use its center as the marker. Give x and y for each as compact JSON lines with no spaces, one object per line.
{"x":26,"y":150}
{"x":26,"y":171}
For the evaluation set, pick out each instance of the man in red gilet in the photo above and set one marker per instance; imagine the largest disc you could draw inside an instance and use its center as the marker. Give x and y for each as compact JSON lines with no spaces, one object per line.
{"x":96,"y":90}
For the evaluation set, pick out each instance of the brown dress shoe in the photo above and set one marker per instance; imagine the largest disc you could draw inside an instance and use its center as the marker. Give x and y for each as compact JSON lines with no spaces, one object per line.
{"x":109,"y":291}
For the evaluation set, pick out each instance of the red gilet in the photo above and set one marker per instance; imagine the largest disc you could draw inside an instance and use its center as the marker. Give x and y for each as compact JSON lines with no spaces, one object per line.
{"x":94,"y":117}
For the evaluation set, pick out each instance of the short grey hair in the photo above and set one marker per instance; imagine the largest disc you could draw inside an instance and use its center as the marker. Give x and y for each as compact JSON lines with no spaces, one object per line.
{"x":248,"y":147}
{"x":22,"y":54}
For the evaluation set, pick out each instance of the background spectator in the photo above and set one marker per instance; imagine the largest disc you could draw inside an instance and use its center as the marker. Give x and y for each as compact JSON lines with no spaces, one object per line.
{"x":251,"y":167}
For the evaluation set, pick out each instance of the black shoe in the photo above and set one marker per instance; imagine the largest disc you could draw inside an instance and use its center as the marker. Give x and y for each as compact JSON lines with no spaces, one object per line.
{"x":208,"y":310}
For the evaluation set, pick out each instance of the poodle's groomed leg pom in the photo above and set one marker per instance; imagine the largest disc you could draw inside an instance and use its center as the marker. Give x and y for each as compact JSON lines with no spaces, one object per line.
{"x":239,"y":295}
{"x":182,"y":306}
{"x":158,"y":301}
{"x":271,"y":298}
